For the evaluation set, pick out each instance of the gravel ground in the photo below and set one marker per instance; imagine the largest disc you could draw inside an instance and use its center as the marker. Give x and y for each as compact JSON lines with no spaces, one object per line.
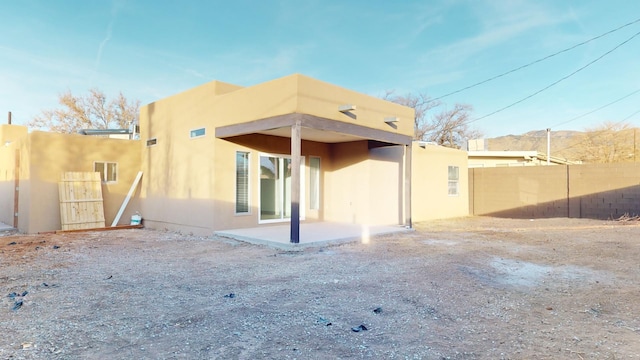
{"x":471,"y":288}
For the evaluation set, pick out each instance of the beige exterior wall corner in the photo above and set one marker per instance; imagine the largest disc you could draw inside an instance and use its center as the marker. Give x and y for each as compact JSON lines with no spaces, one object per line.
{"x":430,"y":197}
{"x":11,"y":133}
{"x":13,"y":138}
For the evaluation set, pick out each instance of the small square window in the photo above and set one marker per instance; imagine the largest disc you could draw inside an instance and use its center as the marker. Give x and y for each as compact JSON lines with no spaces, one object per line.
{"x":152,"y":142}
{"x":108,"y":171}
{"x":197,"y":133}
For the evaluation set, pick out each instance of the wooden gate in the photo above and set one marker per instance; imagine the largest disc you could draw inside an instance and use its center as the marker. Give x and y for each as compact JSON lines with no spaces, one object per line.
{"x":81,"y":203}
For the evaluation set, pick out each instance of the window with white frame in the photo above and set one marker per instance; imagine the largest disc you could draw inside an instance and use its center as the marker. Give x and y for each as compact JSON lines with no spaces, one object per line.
{"x":108,"y":171}
{"x":314,"y":183}
{"x":454,"y":177}
{"x":242,"y":182}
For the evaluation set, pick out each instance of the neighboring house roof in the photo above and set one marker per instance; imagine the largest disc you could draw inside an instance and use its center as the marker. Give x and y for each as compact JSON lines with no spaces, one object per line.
{"x":513,"y":158}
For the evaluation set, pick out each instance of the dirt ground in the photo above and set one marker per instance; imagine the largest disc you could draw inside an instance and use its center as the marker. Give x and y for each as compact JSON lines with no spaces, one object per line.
{"x":472,"y":288}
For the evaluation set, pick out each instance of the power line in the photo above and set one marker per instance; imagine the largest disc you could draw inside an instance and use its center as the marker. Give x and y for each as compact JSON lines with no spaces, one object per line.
{"x":557,"y":81}
{"x":535,"y":62}
{"x":630,"y":116}
{"x":600,"y":108}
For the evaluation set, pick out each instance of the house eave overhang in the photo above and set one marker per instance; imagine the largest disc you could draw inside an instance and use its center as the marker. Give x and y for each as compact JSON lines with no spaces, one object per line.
{"x":332,"y":131}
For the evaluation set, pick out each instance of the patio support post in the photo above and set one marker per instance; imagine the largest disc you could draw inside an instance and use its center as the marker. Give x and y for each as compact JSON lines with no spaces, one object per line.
{"x":296,"y":153}
{"x":16,"y":192}
{"x":407,"y":185}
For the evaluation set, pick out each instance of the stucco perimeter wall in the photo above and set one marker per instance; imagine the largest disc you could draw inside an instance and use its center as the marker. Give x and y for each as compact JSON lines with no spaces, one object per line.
{"x":430,"y":197}
{"x":7,"y":182}
{"x":13,"y":145}
{"x":599,"y":191}
{"x":51,"y":154}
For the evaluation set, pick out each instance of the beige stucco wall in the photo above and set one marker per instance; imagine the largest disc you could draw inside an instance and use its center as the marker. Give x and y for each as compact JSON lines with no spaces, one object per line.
{"x":47,"y":155}
{"x":7,"y":182}
{"x":364,"y":186}
{"x":11,"y":141}
{"x":178,"y":186}
{"x":10,"y":133}
{"x":429,"y":189}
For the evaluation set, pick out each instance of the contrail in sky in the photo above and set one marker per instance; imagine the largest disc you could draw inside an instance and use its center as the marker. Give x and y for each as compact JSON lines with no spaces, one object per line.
{"x":108,"y":36}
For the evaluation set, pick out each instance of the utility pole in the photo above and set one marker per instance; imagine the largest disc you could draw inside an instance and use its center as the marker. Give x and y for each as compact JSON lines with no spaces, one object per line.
{"x":548,"y":146}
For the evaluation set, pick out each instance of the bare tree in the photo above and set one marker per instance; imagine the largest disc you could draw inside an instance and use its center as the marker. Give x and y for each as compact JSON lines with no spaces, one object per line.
{"x":451,"y":128}
{"x":448,"y":128}
{"x":606,"y":143}
{"x":91,"y":111}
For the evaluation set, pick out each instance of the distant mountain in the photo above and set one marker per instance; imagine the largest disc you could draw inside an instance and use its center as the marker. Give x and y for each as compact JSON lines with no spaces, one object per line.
{"x":561,"y":142}
{"x":617,"y":143}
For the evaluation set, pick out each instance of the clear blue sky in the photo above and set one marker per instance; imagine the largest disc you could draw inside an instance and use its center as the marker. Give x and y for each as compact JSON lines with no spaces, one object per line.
{"x":153,"y":49}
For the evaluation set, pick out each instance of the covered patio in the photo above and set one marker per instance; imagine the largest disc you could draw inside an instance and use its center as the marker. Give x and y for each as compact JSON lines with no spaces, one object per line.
{"x":297,"y":127}
{"x":313,"y":234}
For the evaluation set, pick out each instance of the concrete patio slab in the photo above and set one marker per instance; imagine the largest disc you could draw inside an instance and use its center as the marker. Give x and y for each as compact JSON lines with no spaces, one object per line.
{"x":311,"y":234}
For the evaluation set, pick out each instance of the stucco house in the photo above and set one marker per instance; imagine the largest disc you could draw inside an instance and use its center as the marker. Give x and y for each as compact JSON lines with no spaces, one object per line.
{"x":294,"y":149}
{"x":492,"y":158}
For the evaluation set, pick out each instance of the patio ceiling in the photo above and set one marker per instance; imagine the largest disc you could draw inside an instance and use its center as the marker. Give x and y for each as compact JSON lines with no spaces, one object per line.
{"x":312,"y":135}
{"x":313,"y":128}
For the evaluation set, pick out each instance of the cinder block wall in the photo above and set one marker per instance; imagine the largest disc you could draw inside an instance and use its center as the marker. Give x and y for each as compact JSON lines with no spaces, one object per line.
{"x":598,"y":191}
{"x":602,"y":191}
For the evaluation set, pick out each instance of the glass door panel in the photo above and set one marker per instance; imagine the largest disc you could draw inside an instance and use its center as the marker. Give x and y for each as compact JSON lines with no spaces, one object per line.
{"x":270,"y":188}
{"x":275,"y":188}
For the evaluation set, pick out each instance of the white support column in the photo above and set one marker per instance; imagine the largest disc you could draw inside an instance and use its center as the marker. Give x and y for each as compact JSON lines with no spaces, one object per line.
{"x":407,"y":185}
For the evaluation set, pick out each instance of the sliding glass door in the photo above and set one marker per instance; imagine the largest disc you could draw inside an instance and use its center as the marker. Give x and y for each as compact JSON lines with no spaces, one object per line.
{"x":275,"y":188}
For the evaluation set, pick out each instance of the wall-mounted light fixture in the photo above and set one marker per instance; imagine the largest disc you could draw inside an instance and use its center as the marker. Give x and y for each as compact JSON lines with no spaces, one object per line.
{"x":346,"y":108}
{"x":390,"y":120}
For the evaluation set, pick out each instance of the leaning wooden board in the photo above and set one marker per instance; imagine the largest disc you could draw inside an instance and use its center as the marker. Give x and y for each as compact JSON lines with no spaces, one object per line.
{"x":81,"y":203}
